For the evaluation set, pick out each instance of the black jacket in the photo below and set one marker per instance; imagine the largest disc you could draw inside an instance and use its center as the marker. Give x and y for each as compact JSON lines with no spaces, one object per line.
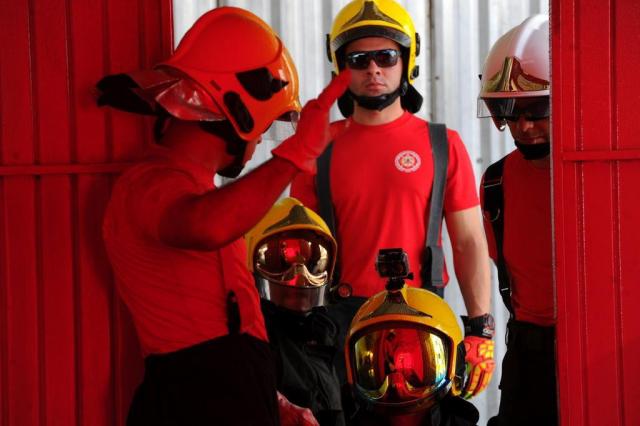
{"x":451,"y":411}
{"x":305,"y":348}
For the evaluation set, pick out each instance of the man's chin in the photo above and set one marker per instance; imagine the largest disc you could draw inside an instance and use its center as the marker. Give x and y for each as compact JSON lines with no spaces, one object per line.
{"x":373,"y":93}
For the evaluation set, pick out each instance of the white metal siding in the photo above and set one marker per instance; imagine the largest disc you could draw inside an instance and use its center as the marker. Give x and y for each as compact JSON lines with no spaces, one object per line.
{"x":456,"y":36}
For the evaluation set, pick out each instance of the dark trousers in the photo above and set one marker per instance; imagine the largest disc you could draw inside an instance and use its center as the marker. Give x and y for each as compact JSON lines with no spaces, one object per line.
{"x":528,"y":384}
{"x":229,"y":380}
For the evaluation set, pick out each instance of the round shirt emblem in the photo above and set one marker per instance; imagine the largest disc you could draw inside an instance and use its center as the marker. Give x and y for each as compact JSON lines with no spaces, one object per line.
{"x":408,"y":161}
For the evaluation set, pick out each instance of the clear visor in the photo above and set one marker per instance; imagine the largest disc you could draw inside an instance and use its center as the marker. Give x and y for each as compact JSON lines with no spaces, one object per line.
{"x":283,"y":127}
{"x":511,"y":109}
{"x":400,"y":364}
{"x":297,"y":259}
{"x":177,"y":93}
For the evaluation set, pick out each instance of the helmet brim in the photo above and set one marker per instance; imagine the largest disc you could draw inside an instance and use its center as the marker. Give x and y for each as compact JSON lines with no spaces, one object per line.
{"x":370,"y":31}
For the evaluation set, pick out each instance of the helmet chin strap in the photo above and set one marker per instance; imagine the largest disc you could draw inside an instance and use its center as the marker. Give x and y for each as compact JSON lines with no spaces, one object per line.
{"x":234,"y":145}
{"x":380,"y":102}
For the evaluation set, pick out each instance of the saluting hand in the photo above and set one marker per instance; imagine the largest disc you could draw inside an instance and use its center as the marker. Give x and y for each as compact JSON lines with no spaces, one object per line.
{"x":312,"y":134}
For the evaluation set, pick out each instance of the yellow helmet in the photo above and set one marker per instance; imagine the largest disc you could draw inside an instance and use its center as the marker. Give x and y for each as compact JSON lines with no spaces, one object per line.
{"x":404,"y":351}
{"x":374,"y":18}
{"x":377,"y":18}
{"x":292,"y":253}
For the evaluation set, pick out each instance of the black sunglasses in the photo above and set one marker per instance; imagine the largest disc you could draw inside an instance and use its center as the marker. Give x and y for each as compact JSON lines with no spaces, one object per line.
{"x":383,"y":58}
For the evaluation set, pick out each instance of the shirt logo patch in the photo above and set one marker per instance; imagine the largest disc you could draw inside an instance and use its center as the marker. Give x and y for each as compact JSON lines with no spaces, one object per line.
{"x":408,"y":161}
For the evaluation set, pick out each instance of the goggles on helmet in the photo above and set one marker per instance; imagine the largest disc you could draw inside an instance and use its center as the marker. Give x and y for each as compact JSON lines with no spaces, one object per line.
{"x":384,"y":58}
{"x":400,"y":363}
{"x":511,"y":109}
{"x":295,"y":258}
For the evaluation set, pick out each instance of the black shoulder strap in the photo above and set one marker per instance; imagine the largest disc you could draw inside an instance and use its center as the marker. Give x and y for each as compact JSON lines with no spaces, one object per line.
{"x":493,"y":211}
{"x":323,"y":189}
{"x":433,"y":263}
{"x":325,"y":203}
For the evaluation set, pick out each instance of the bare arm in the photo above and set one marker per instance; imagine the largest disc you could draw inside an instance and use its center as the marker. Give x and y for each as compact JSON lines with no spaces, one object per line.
{"x":471,"y":259}
{"x":218,"y":217}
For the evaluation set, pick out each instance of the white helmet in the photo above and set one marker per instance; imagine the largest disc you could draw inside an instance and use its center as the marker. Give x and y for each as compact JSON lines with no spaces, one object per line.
{"x":517,"y":67}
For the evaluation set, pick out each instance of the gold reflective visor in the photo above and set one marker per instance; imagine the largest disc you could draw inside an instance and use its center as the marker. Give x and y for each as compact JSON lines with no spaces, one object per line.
{"x":400,"y":363}
{"x":299,"y":258}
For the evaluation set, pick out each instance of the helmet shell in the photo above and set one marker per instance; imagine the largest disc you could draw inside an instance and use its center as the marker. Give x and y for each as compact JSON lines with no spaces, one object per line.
{"x":418,"y":308}
{"x":374,"y":18}
{"x":518,"y":63}
{"x":226,"y":52}
{"x":288,"y":216}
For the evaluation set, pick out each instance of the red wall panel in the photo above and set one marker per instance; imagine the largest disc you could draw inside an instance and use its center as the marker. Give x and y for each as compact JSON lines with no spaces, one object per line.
{"x":68,"y":351}
{"x":24,"y":375}
{"x":596,"y":155}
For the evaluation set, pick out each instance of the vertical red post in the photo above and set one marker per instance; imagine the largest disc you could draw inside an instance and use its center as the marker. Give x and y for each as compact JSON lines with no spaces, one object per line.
{"x":596,"y":208}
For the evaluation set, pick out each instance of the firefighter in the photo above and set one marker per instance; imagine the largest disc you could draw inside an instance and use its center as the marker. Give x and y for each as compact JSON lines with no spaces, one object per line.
{"x":175,"y":240}
{"x":292,"y":254}
{"x":516,"y":202}
{"x":405,"y":361}
{"x":389,"y":177}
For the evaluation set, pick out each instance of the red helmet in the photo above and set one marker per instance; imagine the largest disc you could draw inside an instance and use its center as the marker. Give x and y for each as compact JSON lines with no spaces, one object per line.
{"x":229,"y":65}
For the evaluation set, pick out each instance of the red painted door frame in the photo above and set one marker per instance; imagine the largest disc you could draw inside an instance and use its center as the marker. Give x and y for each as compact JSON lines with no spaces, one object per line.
{"x":596,"y":208}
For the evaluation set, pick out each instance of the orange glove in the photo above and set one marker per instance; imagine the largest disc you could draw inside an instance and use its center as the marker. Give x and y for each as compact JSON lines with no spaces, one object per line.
{"x":479,"y":348}
{"x":292,"y":415}
{"x":312,"y":134}
{"x":480,"y":364}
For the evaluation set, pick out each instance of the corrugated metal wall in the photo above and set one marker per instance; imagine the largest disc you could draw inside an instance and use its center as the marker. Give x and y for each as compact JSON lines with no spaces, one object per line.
{"x":456,"y":36}
{"x":597,"y":170}
{"x":68,"y":353}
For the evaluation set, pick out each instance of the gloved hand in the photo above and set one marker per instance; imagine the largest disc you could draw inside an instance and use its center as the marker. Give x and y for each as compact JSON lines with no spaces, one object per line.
{"x":479,"y":347}
{"x":292,"y":415}
{"x":480,"y":365}
{"x":312,"y":134}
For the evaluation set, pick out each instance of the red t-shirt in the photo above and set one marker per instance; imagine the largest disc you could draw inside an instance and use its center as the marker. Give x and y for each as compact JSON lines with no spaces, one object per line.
{"x":527,"y":238}
{"x":381,"y":180}
{"x":177,"y":297}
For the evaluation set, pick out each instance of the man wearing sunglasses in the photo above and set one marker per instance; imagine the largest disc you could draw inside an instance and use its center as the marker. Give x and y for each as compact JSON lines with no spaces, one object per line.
{"x":175,"y":240}
{"x":378,"y":189}
{"x":515,"y":194}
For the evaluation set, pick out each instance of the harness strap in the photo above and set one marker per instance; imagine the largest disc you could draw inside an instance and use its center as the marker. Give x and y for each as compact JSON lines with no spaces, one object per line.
{"x":493,"y":211}
{"x":325,"y":203}
{"x":433,"y":262}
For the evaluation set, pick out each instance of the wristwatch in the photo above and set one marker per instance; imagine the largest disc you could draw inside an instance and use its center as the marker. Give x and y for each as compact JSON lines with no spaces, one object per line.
{"x":481,"y":326}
